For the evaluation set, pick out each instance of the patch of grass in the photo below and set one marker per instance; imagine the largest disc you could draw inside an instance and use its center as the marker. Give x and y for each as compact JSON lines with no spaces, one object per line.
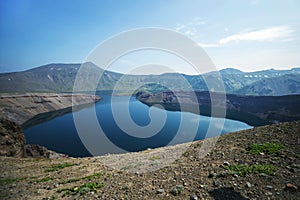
{"x":45,"y":179}
{"x":59,"y":166}
{"x":268,"y":148}
{"x":126,"y":187}
{"x":155,"y":158}
{"x":83,"y":189}
{"x":70,"y":180}
{"x":176,"y":190}
{"x":5,"y":181}
{"x":243,"y":170}
{"x":96,"y":175}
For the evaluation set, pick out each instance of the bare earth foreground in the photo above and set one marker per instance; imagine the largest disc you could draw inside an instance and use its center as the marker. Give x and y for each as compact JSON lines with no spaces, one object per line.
{"x":232,"y":170}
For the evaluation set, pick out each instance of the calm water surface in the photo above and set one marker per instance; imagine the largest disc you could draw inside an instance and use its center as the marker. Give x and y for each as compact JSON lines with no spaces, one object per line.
{"x":60,"y":134}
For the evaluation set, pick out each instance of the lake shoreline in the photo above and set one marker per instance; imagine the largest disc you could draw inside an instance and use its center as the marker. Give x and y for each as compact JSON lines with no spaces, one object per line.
{"x":20,"y":108}
{"x":178,"y":127}
{"x":253,"y":110}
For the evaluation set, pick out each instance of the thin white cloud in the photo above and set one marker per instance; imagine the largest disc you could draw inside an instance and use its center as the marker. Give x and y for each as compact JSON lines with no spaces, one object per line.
{"x":198,"y":21}
{"x":268,"y":34}
{"x":180,"y":27}
{"x":208,"y":45}
{"x":191,"y":28}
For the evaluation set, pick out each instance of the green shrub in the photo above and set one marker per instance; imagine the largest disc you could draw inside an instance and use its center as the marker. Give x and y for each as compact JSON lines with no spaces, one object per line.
{"x":268,"y":148}
{"x":176,"y":190}
{"x":59,"y":166}
{"x":44,"y":179}
{"x":243,"y":170}
{"x":83,"y":189}
{"x":97,"y":175}
{"x":5,"y":181}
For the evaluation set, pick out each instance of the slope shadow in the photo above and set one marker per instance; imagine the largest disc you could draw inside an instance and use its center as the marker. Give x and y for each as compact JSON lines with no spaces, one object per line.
{"x":227,"y":193}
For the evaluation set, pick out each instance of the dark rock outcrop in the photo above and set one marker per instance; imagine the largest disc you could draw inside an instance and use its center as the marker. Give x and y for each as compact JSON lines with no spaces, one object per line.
{"x":254,"y":110}
{"x":13,"y":143}
{"x":12,"y":140}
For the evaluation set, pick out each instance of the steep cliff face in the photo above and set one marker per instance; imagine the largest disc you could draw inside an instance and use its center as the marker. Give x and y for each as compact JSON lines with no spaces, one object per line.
{"x":12,"y":140}
{"x":13,"y":143}
{"x":20,"y":108}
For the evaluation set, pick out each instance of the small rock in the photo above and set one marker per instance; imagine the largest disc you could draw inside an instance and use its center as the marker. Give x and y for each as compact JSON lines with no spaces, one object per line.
{"x":226,"y":163}
{"x":291,"y":187}
{"x":248,"y":185}
{"x":211,"y":175}
{"x":223,"y":173}
{"x":216,"y":183}
{"x":193,"y":197}
{"x":270,"y":187}
{"x":201,"y":186}
{"x":269,"y":193}
{"x":159,"y":191}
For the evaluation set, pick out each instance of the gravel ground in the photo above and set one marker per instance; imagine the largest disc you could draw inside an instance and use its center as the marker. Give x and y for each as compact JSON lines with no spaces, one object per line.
{"x":139,"y":176}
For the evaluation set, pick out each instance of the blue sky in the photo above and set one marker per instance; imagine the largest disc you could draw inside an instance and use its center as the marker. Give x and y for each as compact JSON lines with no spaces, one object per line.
{"x":245,"y":34}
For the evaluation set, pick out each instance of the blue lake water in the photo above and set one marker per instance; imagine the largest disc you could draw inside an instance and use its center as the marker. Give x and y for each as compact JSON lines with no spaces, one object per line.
{"x":61,"y":135}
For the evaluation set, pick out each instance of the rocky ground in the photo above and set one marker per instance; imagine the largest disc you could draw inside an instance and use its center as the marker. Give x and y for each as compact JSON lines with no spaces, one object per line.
{"x":234,"y":169}
{"x":13,"y":143}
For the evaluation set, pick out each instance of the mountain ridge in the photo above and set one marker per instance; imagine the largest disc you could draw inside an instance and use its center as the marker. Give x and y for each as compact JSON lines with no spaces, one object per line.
{"x":59,"y":77}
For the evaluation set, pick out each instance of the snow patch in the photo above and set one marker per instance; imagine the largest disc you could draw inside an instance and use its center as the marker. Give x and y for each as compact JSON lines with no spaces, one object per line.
{"x":49,"y":77}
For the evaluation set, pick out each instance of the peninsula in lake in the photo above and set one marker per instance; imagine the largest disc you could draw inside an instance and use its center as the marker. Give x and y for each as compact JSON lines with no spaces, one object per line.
{"x":257,"y":98}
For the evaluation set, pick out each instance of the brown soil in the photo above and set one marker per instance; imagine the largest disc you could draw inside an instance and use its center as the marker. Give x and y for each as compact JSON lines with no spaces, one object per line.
{"x":200,"y":178}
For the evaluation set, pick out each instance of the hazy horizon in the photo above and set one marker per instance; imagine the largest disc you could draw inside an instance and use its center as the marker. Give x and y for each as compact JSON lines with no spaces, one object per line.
{"x":150,"y":72}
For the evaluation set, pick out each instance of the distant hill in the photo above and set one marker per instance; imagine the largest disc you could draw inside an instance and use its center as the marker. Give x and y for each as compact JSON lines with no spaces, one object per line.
{"x":230,"y":71}
{"x":60,"y":78}
{"x":274,"y":86}
{"x":254,"y":110}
